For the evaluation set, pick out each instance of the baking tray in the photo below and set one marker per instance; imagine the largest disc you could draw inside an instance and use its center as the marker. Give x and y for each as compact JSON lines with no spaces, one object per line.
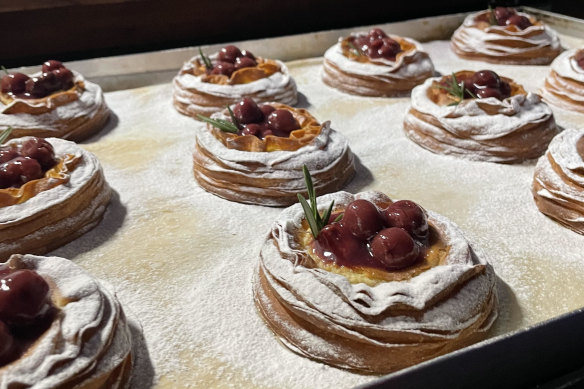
{"x":167,"y":245}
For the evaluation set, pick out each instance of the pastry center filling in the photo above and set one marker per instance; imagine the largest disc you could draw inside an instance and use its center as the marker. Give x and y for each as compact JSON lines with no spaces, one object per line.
{"x":233,"y":66}
{"x":373,"y":243}
{"x":503,"y":16}
{"x":29,"y":168}
{"x":55,"y":77}
{"x":453,"y":89}
{"x":26,"y":311}
{"x":373,"y":47}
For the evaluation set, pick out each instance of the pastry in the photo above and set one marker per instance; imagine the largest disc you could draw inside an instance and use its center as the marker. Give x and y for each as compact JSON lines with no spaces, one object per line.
{"x":60,"y":328}
{"x":558,"y":181}
{"x":504,"y":35}
{"x":206,"y":85}
{"x":479,"y":116}
{"x":376,"y":64}
{"x":388,"y":286}
{"x":564,"y":85}
{"x":261,"y":161}
{"x":51,"y":192}
{"x":56,"y":102}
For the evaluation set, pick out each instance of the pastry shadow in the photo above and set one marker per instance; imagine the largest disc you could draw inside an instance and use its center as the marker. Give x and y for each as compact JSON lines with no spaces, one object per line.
{"x":113,"y":219}
{"x":362,"y":178}
{"x":111,"y":123}
{"x":510,"y":316}
{"x":302,"y":101}
{"x":143,"y":370}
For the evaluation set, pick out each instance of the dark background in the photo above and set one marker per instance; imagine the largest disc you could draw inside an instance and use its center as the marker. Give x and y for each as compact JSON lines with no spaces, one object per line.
{"x":33,"y":31}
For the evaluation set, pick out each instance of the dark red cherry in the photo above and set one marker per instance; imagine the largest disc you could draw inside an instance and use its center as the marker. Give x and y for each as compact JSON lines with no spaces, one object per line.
{"x":229,"y":54}
{"x":253,"y":129}
{"x":486,"y":79}
{"x":522,"y":22}
{"x":247,"y":54}
{"x":35,"y":87}
{"x":225,"y":68}
{"x":371,"y":52}
{"x":4,"y":270}
{"x":14,"y":83}
{"x":23,"y":297}
{"x":41,"y":150}
{"x":375,"y":44}
{"x":247,"y":111}
{"x":389,"y":49}
{"x":362,"y":219}
{"x":376,"y":33}
{"x":282,"y":121}
{"x":244,"y":62}
{"x":65,"y":78}
{"x":51,"y":65}
{"x":7,"y":154}
{"x":267,"y":109}
{"x":489,"y":92}
{"x":18,"y":171}
{"x":266,"y":131}
{"x":394,"y":248}
{"x":408,"y":215}
{"x":7,"y":345}
{"x":339,"y":245}
{"x":502,"y":14}
{"x":505,"y":89}
{"x":579,"y":58}
{"x":50,"y":82}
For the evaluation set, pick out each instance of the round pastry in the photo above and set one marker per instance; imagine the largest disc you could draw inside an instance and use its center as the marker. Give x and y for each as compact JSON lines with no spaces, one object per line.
{"x":260,"y":161}
{"x":206,"y":85}
{"x":51,"y":192}
{"x":479,"y":116}
{"x":564,"y":85}
{"x":504,"y":35}
{"x":60,"y":328}
{"x":558,"y":181}
{"x":388,"y":286}
{"x":56,"y":102}
{"x":376,"y":64}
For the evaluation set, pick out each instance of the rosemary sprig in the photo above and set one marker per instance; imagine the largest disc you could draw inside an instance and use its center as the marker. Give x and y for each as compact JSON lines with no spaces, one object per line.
{"x":352,"y":46}
{"x":315,"y":221}
{"x":233,"y":118}
{"x":206,"y":60}
{"x":5,"y":134}
{"x":456,"y":89}
{"x":492,"y":18}
{"x":223,"y":125}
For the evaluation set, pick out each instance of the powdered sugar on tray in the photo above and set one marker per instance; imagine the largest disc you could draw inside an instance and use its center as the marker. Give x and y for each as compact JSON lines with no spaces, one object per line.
{"x":182,"y":259}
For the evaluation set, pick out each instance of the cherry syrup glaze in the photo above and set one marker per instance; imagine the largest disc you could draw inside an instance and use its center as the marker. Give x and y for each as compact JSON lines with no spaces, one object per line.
{"x":26,"y":310}
{"x":55,"y":77}
{"x":389,"y":239}
{"x":376,"y":44}
{"x":230,"y":59}
{"x":29,"y":161}
{"x":263,"y":120}
{"x":579,"y":58}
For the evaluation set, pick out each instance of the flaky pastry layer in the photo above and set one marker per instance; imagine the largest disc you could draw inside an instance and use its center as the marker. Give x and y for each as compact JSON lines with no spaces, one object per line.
{"x":564,"y":85}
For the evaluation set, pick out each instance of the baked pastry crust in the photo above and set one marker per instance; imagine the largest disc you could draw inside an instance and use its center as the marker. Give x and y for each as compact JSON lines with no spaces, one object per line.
{"x":344,"y":71}
{"x":59,"y":209}
{"x":564,"y":85}
{"x":198,"y":93}
{"x":74,"y":114}
{"x":558,"y":181}
{"x":372,"y":329}
{"x":512,"y":130}
{"x":243,"y":169}
{"x":476,"y":39}
{"x":88,"y":344}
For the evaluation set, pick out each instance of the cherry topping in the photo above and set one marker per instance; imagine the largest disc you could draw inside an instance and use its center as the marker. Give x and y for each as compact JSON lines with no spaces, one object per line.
{"x":40,"y":150}
{"x":486,"y":83}
{"x":395,"y":248}
{"x":267,"y":109}
{"x":50,"y":82}
{"x":579,"y":58}
{"x":18,"y":171}
{"x":247,"y":111}
{"x":338,"y":245}
{"x":35,"y":87}
{"x":244,"y":62}
{"x":486,"y":78}
{"x":408,"y":215}
{"x":508,"y":16}
{"x":7,"y":345}
{"x":376,"y":33}
{"x":229,"y":54}
{"x":14,"y":83}
{"x":247,"y":54}
{"x":64,"y":77}
{"x":51,"y":65}
{"x":23,"y":297}
{"x":225,"y":68}
{"x":282,"y":121}
{"x":502,"y":14}
{"x":522,"y":22}
{"x":253,"y":129}
{"x":362,"y":219}
{"x":7,"y":154}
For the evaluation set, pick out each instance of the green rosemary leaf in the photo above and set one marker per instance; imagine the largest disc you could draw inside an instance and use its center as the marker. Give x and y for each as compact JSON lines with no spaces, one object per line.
{"x":233,"y":118}
{"x":221,"y":124}
{"x":352,"y":46}
{"x":492,"y":18}
{"x":309,"y":216}
{"x":339,"y":218}
{"x":310,"y":191}
{"x":206,"y":60}
{"x":5,"y":134}
{"x":326,"y":216}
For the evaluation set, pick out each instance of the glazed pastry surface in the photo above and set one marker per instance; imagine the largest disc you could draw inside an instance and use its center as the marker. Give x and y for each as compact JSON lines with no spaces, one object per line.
{"x":476,"y":39}
{"x":372,"y":329}
{"x":88,"y":344}
{"x":558,"y":182}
